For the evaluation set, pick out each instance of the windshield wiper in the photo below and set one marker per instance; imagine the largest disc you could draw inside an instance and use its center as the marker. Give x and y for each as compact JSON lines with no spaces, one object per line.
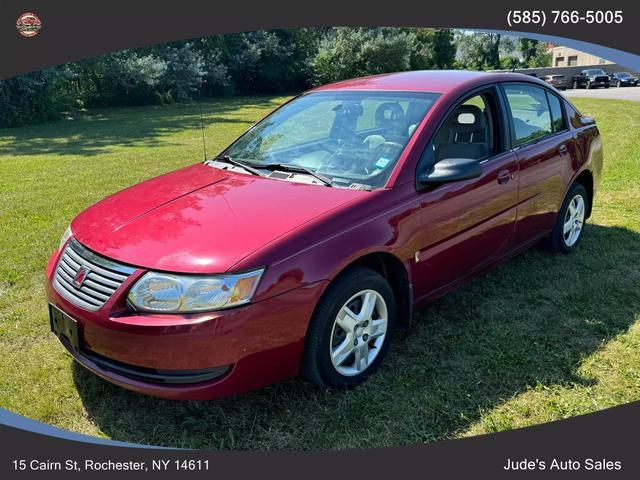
{"x":236,"y":163}
{"x":287,"y":167}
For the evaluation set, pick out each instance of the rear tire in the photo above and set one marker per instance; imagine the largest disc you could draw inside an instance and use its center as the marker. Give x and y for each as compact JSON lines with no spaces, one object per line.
{"x":570,"y":221}
{"x":350,"y":331}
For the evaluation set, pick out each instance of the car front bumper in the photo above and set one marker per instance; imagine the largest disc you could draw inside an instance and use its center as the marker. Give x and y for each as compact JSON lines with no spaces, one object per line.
{"x":224,"y":352}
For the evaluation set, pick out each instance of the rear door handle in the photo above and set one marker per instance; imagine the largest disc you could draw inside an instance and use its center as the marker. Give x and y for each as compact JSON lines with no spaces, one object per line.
{"x":563,"y":150}
{"x":504,"y":176}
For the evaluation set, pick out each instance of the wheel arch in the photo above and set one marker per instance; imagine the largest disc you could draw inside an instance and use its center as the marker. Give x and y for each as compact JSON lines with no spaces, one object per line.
{"x":394,"y":271}
{"x":585,"y":178}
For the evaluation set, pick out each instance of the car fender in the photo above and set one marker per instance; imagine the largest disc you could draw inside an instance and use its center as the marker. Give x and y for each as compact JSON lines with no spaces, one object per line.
{"x":387,"y":222}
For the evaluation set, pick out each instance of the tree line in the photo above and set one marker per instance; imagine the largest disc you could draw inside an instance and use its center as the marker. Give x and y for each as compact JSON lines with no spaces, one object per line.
{"x":261,"y":62}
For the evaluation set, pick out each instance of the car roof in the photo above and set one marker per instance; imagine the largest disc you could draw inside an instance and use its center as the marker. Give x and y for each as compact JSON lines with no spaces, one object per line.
{"x":435,"y":81}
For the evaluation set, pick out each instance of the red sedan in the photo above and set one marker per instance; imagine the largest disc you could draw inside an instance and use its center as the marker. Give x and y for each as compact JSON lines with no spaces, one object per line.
{"x":310,"y":240}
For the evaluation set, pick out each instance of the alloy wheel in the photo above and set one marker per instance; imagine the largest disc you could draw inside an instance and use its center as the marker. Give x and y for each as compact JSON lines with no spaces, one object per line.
{"x":573,"y":221}
{"x":358,"y":332}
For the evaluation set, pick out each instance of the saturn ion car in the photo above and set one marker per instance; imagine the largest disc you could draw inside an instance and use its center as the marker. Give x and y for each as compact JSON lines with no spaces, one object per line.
{"x":306,"y":244}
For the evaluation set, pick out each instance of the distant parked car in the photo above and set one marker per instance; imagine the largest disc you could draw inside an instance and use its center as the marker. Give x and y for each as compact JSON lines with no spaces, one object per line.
{"x":624,"y":79}
{"x":558,"y":81}
{"x":591,"y":78}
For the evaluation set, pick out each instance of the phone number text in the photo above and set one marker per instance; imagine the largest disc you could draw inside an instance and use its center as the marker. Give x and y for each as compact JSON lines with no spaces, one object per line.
{"x":540,"y":17}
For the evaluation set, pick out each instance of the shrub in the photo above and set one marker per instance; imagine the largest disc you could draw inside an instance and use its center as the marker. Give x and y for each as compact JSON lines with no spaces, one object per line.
{"x":184,"y":73}
{"x":125,"y":78}
{"x":36,"y":97}
{"x":216,"y":80}
{"x":353,"y":52}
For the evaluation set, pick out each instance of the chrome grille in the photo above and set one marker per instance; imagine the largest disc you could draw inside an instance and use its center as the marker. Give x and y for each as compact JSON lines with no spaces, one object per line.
{"x":102,"y":280}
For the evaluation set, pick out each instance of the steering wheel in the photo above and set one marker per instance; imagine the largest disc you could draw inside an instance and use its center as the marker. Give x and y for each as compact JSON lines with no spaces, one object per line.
{"x":333,"y":147}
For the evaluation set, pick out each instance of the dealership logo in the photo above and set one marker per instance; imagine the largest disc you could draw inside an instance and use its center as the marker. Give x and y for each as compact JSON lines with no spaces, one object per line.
{"x":81,"y":276}
{"x":28,"y":24}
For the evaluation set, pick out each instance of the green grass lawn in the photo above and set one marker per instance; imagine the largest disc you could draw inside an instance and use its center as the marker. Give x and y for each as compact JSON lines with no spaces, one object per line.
{"x":538,"y":339}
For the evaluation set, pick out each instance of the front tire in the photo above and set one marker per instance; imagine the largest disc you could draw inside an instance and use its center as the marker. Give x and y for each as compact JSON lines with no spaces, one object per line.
{"x":350,"y":331}
{"x":569,"y":225}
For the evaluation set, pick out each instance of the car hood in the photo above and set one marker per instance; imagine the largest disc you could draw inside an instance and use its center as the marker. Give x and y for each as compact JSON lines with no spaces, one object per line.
{"x":200,"y":219}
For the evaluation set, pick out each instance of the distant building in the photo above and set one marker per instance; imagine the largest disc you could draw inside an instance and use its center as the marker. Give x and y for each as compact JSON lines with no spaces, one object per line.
{"x":568,"y":57}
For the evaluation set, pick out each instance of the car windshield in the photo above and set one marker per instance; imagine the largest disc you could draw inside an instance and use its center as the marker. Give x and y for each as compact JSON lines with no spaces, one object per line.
{"x":623,"y":74}
{"x":595,"y":71}
{"x":352,"y":138}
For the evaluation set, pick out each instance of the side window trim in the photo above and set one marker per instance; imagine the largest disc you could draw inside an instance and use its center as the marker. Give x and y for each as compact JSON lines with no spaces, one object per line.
{"x":509,"y":115}
{"x":562,"y":111}
{"x":508,"y":132}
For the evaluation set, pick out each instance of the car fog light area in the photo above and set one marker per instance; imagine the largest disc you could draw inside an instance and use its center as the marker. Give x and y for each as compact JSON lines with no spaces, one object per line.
{"x":168,"y":293}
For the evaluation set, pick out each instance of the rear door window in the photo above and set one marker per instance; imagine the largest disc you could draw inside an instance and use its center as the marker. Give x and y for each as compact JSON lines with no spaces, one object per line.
{"x":529,"y":112}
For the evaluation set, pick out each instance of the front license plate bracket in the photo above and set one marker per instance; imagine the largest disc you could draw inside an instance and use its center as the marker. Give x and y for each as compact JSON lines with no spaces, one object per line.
{"x":64,"y":326}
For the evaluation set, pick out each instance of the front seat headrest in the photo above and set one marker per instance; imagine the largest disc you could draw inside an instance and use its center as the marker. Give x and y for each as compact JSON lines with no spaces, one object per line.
{"x":468,"y":119}
{"x":390,"y":115}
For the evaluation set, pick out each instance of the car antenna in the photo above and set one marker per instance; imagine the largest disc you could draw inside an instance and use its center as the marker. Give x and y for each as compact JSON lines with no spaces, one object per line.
{"x":204,"y":143}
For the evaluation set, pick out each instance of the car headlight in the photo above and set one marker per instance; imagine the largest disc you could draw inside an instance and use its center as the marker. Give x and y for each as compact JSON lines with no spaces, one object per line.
{"x":171,"y":293}
{"x":65,"y":236}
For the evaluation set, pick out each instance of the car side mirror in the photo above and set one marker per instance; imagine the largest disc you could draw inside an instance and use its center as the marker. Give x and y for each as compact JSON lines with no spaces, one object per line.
{"x":586,"y":121}
{"x":451,"y":170}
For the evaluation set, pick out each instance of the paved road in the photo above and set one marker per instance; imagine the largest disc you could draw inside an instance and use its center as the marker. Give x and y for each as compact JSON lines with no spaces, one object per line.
{"x":624,"y":93}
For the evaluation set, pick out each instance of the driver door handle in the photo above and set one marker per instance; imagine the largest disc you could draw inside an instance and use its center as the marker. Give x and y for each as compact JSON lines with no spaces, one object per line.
{"x":563,"y":150}
{"x":504,"y":176}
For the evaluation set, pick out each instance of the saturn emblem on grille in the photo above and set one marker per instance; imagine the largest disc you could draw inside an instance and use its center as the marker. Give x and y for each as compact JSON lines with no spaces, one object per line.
{"x":81,"y":276}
